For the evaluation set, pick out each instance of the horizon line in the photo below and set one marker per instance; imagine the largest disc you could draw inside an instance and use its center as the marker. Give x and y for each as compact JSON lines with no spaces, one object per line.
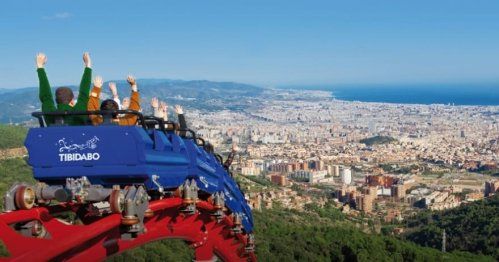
{"x":304,"y":85}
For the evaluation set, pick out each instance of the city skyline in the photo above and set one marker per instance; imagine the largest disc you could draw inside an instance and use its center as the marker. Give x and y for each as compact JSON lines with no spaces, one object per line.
{"x":268,"y":44}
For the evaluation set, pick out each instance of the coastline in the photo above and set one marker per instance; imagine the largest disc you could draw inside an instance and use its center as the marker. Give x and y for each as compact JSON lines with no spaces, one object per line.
{"x":444,"y":94}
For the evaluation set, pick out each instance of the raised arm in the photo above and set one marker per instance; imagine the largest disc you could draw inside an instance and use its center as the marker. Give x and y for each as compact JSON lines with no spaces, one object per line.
{"x":134,"y":103}
{"x":86,"y":79}
{"x":181,"y":118}
{"x":164,"y":109}
{"x":155,"y":107}
{"x":231,"y":156}
{"x":45,"y":93}
{"x":94,"y":101}
{"x":114,"y":92}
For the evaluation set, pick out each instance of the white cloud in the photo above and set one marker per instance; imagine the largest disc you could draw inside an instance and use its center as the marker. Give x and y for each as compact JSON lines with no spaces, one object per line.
{"x":58,"y":16}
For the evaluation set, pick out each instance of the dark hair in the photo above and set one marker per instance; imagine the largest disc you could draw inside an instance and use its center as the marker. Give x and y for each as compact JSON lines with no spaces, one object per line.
{"x":209,"y":147}
{"x":109,"y":105}
{"x":64,"y":95}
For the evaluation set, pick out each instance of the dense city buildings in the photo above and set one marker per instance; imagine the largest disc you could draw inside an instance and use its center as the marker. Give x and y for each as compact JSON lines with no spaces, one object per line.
{"x":363,"y":156}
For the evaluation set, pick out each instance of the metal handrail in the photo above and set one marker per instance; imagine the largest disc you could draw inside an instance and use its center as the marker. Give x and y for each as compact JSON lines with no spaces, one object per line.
{"x":171,"y":123}
{"x":159,"y":121}
{"x":43,"y":123}
{"x":203,"y":142}
{"x":220,"y":159}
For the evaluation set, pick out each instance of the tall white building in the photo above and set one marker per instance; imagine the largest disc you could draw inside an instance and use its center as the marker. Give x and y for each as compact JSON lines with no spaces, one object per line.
{"x":346,"y":176}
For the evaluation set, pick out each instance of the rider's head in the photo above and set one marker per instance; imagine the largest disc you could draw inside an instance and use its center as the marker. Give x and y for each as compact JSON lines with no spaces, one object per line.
{"x":64,"y":95}
{"x":109,"y":105}
{"x":209,"y":147}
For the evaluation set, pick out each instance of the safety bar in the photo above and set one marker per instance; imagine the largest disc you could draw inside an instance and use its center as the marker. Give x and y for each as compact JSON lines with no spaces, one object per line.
{"x":220,"y":159}
{"x":203,"y":143}
{"x":43,"y":123}
{"x":193,"y":136}
{"x":155,"y":121}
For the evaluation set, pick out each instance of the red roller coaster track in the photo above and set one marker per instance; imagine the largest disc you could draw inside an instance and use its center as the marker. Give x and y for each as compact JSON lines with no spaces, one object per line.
{"x":101,"y":236}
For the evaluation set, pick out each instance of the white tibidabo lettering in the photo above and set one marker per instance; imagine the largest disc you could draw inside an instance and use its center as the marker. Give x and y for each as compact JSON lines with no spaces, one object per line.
{"x":78,"y":157}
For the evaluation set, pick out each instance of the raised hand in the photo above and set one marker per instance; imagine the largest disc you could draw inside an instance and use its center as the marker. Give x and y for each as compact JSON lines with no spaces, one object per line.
{"x":41,"y":60}
{"x":114,"y":90}
{"x":98,"y":81}
{"x":179,"y":110}
{"x":164,"y":110}
{"x":86,"y":60}
{"x":131,"y":80}
{"x":163,"y":106}
{"x":154,"y":102}
{"x":125,"y":103}
{"x":234,"y":147}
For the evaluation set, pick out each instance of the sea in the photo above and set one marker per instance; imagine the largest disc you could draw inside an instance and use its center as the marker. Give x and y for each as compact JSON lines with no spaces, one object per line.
{"x":457,"y":94}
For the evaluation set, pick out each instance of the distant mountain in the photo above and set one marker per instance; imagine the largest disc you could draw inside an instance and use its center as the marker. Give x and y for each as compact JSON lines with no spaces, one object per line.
{"x":17,"y":104}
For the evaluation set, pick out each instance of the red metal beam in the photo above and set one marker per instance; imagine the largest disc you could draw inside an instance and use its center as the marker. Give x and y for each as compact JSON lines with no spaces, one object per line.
{"x":102,"y":238}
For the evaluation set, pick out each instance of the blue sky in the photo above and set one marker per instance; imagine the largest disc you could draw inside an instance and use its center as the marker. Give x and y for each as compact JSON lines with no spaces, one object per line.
{"x":262,"y":42}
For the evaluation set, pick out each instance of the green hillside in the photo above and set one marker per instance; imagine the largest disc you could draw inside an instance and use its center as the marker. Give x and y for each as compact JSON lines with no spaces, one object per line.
{"x":473,"y":227}
{"x":165,"y":250}
{"x":12,"y":136}
{"x":12,"y":170}
{"x":284,"y":235}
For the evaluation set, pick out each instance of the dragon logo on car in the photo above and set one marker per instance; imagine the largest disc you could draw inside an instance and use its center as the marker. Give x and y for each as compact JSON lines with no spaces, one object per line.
{"x":67,"y":153}
{"x":90,"y":144}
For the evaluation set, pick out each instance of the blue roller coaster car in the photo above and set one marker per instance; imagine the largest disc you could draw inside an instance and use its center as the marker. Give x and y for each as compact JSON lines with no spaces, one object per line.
{"x":151,"y":154}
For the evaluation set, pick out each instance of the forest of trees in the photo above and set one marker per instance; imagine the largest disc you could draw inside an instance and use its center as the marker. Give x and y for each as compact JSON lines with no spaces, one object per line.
{"x":285,"y":235}
{"x":473,"y":227}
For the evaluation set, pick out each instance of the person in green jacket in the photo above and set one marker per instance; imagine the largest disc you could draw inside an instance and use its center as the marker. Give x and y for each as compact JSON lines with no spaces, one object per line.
{"x":64,"y":96}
